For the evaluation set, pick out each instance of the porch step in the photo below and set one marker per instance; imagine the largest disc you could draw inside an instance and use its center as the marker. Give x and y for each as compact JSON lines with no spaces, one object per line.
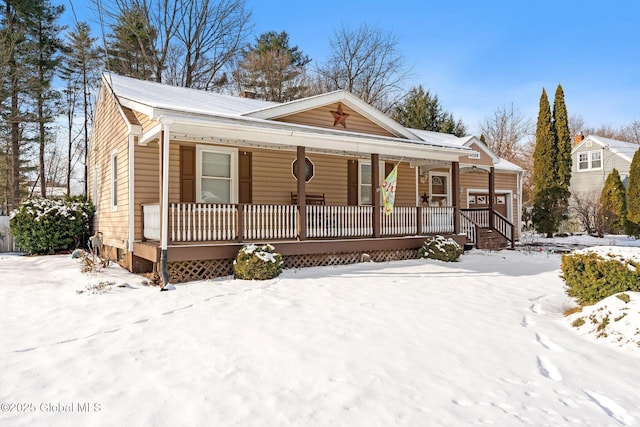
{"x":491,"y":240}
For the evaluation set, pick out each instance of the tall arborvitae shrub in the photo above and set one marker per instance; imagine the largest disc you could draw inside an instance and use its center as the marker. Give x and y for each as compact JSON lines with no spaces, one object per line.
{"x":633,"y":196}
{"x":545,"y":181}
{"x":613,"y":201}
{"x":562,"y":137}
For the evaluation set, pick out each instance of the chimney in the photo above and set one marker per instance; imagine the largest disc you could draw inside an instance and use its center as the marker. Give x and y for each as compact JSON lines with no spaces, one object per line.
{"x":248,"y":94}
{"x":578,"y":139}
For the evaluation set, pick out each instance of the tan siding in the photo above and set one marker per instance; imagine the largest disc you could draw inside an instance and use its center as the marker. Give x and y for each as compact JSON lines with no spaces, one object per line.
{"x":322,"y":117}
{"x":174,"y":172}
{"x":145,"y":121}
{"x":147,"y":181}
{"x":273,"y":181}
{"x":484,"y":159}
{"x":406,"y":187}
{"x":109,"y":135}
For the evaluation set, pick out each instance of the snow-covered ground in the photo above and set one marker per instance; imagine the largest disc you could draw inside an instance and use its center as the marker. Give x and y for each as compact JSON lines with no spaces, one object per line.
{"x":415,"y":343}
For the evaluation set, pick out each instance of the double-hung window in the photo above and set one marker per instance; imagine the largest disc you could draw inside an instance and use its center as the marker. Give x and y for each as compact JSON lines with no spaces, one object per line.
{"x":588,"y":160}
{"x":366,"y":189}
{"x":217,"y":174}
{"x":114,"y":181}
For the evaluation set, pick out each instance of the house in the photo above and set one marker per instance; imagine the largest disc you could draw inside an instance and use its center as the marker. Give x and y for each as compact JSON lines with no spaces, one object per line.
{"x":593,"y":159}
{"x":182,"y":178}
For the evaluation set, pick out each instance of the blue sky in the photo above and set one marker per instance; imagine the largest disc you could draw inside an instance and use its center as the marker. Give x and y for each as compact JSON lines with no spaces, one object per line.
{"x":481,"y":55}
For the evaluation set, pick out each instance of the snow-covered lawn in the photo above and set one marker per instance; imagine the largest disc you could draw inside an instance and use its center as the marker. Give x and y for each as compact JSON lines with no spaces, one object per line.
{"x":416,"y":343}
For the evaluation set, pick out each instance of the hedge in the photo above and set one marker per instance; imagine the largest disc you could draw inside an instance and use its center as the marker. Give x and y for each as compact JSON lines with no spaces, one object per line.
{"x":590,"y":277}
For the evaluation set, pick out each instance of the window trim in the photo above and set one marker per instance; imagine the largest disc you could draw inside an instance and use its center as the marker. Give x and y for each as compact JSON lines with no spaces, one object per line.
{"x":94,"y":192}
{"x":590,"y":159}
{"x":233,"y":171}
{"x":381,"y":178}
{"x":114,"y":180}
{"x":447,"y":178}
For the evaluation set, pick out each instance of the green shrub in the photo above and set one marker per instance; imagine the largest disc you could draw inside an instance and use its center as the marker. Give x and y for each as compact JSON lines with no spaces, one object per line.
{"x":257,"y":262}
{"x":440,"y":248}
{"x":43,"y":226}
{"x":590,"y":278}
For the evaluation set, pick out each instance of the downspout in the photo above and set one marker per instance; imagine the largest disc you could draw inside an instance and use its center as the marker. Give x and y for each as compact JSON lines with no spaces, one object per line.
{"x":132,"y":177}
{"x":164,"y":214}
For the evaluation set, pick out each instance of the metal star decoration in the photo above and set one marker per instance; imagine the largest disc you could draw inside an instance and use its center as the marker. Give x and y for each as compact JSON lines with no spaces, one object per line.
{"x":340,"y":117}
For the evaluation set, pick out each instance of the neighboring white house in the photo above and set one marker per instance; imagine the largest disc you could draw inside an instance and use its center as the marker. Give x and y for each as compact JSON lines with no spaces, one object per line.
{"x":594,"y":158}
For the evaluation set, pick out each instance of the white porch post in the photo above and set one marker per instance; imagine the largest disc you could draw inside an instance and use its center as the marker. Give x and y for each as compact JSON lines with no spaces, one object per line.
{"x":164,"y":205}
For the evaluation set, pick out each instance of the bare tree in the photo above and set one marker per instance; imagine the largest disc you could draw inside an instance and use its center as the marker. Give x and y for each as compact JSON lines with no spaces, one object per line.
{"x":505,"y":131}
{"x":588,"y":209}
{"x":189,"y":43}
{"x":631,"y":132}
{"x":366,"y":62}
{"x":576,"y":124}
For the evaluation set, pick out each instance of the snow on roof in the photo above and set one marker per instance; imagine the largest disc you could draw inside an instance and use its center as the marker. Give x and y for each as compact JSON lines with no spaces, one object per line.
{"x":506,"y":165}
{"x":449,"y":139}
{"x":624,"y":149}
{"x":163,"y":96}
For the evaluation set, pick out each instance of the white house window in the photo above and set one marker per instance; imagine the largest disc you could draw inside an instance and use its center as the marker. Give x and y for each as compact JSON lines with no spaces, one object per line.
{"x":438,"y":189}
{"x":95,"y":185}
{"x":588,"y":160}
{"x":596,"y":159}
{"x":365,"y":189}
{"x":583,"y":161}
{"x":114,"y":180}
{"x":217,"y":174}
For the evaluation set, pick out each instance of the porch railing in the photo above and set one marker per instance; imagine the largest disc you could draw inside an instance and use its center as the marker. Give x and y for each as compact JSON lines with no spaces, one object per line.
{"x":339,"y":221}
{"x":473,"y":219}
{"x":503,"y":226}
{"x":437,"y":220}
{"x":202,"y":222}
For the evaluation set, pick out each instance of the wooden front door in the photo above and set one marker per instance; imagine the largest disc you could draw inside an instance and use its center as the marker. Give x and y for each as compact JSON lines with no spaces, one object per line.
{"x":481,"y":200}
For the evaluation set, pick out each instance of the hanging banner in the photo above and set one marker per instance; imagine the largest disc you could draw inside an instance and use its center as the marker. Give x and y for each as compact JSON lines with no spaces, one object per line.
{"x":389,"y":190}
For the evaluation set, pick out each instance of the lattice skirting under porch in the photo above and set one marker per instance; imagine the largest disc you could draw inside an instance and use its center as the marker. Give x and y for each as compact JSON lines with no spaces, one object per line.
{"x":186,"y":271}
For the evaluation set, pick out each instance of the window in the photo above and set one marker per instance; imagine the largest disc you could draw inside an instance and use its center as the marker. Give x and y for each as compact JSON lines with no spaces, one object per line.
{"x":583,"y":161}
{"x":588,"y":160}
{"x":216,"y":175}
{"x":596,"y":160}
{"x":95,"y":185}
{"x":438,"y":189}
{"x":309,"y":169}
{"x":114,"y":181}
{"x":365,"y":187}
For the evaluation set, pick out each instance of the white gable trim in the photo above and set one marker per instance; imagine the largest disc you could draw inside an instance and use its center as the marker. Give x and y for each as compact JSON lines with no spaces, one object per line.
{"x":482,"y":147}
{"x":342,"y":96}
{"x":584,"y":142}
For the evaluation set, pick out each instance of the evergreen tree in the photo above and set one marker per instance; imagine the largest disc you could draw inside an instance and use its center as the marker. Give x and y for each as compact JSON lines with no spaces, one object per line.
{"x":17,"y":54}
{"x":563,"y":143}
{"x":633,"y":195}
{"x":44,"y":32}
{"x":545,"y":178}
{"x":131,"y":45}
{"x":613,"y":201}
{"x":272,"y":69}
{"x":422,"y":110}
{"x":81,"y":73}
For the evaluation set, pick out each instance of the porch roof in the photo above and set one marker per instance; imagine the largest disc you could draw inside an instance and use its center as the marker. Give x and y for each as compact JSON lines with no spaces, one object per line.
{"x":214,"y":118}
